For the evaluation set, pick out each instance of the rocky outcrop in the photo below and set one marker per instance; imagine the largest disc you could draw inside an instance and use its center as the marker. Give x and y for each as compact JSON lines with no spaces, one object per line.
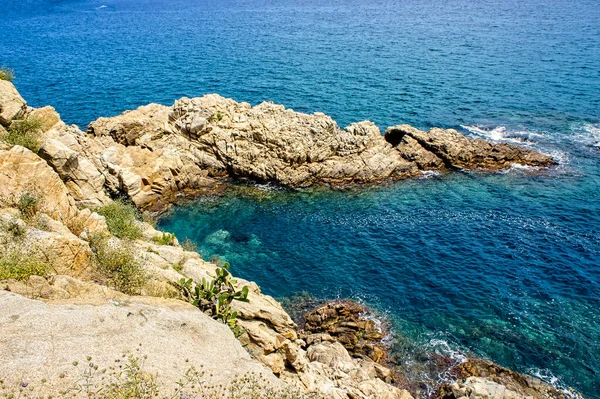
{"x":155,"y":153}
{"x":447,"y":149}
{"x":478,"y":378}
{"x":273,"y":144}
{"x":269,"y":143}
{"x":347,"y":322}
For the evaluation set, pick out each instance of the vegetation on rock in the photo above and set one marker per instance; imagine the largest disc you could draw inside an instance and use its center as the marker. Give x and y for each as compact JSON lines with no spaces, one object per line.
{"x":214,"y":296}
{"x":18,"y":265}
{"x":189,"y":245}
{"x":117,"y":264}
{"x":127,"y":379}
{"x":121,"y":219}
{"x":165,"y":239}
{"x":25,"y":133}
{"x":29,"y":204}
{"x":7,"y":73}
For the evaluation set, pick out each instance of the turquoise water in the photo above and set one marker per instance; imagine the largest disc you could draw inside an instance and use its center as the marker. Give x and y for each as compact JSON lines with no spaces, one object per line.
{"x":503,"y":266}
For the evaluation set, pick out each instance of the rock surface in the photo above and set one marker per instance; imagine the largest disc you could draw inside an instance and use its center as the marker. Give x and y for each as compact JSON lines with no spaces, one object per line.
{"x":12,"y":105}
{"x":347,"y":323}
{"x":447,"y":149}
{"x":42,"y":341}
{"x":483,"y":379}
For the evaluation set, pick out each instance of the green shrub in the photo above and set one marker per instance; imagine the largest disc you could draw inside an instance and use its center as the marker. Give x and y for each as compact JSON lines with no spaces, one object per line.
{"x":118,"y":266}
{"x":25,"y":133}
{"x":214,"y":296}
{"x":16,"y":228}
{"x":7,"y":73}
{"x":121,"y":219}
{"x":17,"y":265}
{"x":165,"y":239}
{"x":189,"y":245}
{"x":29,"y":204}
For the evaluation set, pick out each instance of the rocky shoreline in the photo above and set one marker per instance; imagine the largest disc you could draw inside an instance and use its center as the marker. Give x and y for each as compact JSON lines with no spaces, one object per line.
{"x":66,"y":313}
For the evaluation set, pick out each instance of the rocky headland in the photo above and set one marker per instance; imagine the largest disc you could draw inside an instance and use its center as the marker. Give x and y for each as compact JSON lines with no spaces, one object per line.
{"x":92,"y":308}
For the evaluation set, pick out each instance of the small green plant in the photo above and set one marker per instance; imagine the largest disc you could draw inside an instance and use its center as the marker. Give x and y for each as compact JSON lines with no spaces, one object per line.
{"x":29,"y":204}
{"x":7,"y":73}
{"x":131,"y":383}
{"x":116,"y":263}
{"x":16,"y":228}
{"x":189,"y":245}
{"x":165,"y":239}
{"x":25,"y":133}
{"x":178,"y":267}
{"x":214,"y":296}
{"x":216,"y":117}
{"x":121,"y":219}
{"x":17,"y":265}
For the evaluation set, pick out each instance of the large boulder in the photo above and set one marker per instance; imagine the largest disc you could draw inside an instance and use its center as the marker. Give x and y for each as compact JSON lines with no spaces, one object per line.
{"x":12,"y":105}
{"x":79,"y":174}
{"x":23,"y":172}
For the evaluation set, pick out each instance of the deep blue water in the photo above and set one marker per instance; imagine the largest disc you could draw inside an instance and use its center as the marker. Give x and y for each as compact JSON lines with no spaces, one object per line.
{"x":503,"y":266}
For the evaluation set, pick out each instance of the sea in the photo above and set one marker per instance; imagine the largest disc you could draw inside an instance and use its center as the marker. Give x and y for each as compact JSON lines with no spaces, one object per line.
{"x":502,"y":266}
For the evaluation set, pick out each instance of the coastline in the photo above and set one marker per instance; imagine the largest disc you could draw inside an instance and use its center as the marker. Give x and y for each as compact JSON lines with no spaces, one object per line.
{"x":152,"y":164}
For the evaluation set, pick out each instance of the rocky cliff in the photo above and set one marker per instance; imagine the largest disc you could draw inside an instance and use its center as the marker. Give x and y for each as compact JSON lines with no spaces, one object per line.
{"x":75,"y":292}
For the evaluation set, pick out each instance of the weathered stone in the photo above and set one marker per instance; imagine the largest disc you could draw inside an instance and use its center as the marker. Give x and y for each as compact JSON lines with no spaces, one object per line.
{"x":346,"y":323}
{"x":483,"y":379}
{"x":332,"y":354}
{"x":130,"y":126}
{"x":12,"y":105}
{"x":40,"y":341}
{"x":47,"y":116}
{"x":23,"y":171}
{"x":83,"y":179}
{"x":456,"y":151}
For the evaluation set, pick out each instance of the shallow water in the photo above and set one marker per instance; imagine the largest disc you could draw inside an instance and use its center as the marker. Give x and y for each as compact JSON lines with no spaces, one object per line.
{"x":490,"y":266}
{"x":503,"y":266}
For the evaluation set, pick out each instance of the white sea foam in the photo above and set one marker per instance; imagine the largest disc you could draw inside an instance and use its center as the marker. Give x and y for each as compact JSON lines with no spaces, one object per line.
{"x":587,"y":134}
{"x":502,"y":134}
{"x":517,"y":167}
{"x":427,"y":174}
{"x":443,"y":348}
{"x":549,"y":378}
